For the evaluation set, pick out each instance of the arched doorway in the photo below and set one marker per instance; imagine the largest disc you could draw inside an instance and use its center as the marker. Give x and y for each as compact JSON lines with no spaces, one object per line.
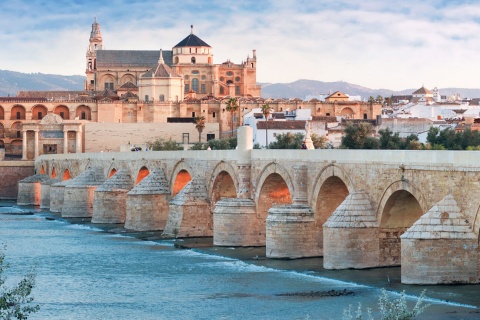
{"x":181,"y":180}
{"x":38,"y":112}
{"x":347,"y":113}
{"x":142,"y":173}
{"x":401,"y":210}
{"x":63,"y":112}
{"x":223,"y":187}
{"x":16,"y":130}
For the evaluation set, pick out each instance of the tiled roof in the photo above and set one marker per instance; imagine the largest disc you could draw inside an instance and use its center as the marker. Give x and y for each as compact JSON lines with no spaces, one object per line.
{"x":282,"y":125}
{"x":337,"y":94}
{"x":128,"y":95}
{"x":107,"y":93}
{"x":422,"y":90}
{"x":127,"y":86}
{"x":131,"y":58}
{"x":160,"y":71}
{"x":192,"y":41}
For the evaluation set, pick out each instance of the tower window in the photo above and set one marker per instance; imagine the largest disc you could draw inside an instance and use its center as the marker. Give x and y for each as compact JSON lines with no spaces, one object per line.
{"x":40,"y":116}
{"x":186,"y":88}
{"x":195,"y":84}
{"x":162,"y":97}
{"x":221,"y":90}
{"x":18,"y":115}
{"x":203,"y":88}
{"x":193,"y":60}
{"x":62,"y":115}
{"x":237,"y":90}
{"x":193,"y":114}
{"x":83,"y":116}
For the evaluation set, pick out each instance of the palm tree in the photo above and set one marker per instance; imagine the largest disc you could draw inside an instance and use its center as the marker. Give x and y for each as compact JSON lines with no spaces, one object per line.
{"x":266,"y":110}
{"x":200,"y":125}
{"x":232,"y":107}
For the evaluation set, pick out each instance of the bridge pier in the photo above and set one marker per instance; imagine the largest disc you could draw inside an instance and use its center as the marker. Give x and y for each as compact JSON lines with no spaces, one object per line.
{"x":440,"y":248}
{"x":189,"y":212}
{"x":147,"y":203}
{"x":45,"y":192}
{"x":109,"y":204}
{"x":57,"y":192}
{"x":79,"y":193}
{"x":29,"y":190}
{"x":350,"y":235}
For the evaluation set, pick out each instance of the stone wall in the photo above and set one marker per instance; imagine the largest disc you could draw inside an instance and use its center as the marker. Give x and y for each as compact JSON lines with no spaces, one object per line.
{"x":11,"y":172}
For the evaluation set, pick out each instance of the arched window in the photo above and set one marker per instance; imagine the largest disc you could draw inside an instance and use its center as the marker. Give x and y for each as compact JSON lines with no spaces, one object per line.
{"x":193,"y":60}
{"x":195,"y":85}
{"x":176,"y":60}
{"x":365,"y":116}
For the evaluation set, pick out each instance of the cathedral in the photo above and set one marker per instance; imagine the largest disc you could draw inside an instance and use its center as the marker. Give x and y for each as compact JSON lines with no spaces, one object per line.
{"x":169,"y":75}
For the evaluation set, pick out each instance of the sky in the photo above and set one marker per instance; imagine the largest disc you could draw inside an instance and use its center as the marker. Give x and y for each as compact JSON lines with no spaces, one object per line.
{"x":373,"y":43}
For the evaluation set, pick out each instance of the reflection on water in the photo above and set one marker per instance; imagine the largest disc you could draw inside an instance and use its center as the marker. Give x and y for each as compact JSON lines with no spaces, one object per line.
{"x":85,"y":273}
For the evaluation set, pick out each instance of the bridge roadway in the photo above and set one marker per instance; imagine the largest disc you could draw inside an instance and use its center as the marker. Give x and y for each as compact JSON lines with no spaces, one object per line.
{"x":356,"y":208}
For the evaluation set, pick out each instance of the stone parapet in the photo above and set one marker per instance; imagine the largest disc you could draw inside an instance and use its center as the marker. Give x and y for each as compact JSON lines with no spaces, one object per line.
{"x":291,"y":232}
{"x":236,"y":224}
{"x":148,"y":203}
{"x":29,"y":190}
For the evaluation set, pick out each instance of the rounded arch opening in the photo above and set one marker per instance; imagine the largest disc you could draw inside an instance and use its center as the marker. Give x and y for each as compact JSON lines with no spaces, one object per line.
{"x":2,"y":130}
{"x":223,"y":187}
{"x":66,"y":175}
{"x":63,"y":112}
{"x":17,"y":113}
{"x":332,"y":193}
{"x":54,"y":173}
{"x":38,"y":112}
{"x":347,"y":113}
{"x":274,"y":191}
{"x":181,"y":180}
{"x":83,"y":113}
{"x":399,"y":213}
{"x":142,"y":173}
{"x":42,"y":170}
{"x":2,"y":113}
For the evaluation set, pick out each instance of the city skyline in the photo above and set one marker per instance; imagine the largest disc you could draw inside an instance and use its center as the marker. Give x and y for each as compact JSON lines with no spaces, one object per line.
{"x":373,"y":44}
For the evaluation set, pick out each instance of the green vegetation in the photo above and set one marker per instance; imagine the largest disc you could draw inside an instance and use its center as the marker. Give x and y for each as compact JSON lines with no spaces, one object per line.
{"x":16,"y":302}
{"x":199,"y":125}
{"x":266,"y":110}
{"x":390,"y":309}
{"x":232,"y":107}
{"x":161,"y":144}
{"x":216,"y":144}
{"x":294,"y":141}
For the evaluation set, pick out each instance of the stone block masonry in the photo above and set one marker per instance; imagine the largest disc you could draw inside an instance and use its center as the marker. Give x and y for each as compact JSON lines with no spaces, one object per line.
{"x":11,"y":172}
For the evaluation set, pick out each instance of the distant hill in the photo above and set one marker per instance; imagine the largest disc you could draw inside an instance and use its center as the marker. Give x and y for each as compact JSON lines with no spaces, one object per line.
{"x":11,"y":82}
{"x":302,"y":88}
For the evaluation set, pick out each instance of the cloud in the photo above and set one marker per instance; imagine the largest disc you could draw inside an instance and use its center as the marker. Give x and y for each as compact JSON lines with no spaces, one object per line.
{"x":372,"y":43}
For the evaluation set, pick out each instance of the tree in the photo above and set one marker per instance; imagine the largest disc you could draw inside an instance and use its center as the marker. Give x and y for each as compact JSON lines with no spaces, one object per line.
{"x":288,"y":141}
{"x":161,"y":144}
{"x":232,"y":107}
{"x":319,"y":142}
{"x":390,"y":140}
{"x":266,"y":110}
{"x":379,"y":99}
{"x":356,"y":135}
{"x":200,"y":125}
{"x":371,"y":100}
{"x":16,"y":302}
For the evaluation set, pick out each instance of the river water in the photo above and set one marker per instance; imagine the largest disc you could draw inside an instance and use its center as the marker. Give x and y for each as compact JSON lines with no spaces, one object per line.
{"x":84,"y":272}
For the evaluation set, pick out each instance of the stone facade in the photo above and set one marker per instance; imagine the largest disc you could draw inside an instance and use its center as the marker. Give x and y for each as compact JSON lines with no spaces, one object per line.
{"x":12,"y":172}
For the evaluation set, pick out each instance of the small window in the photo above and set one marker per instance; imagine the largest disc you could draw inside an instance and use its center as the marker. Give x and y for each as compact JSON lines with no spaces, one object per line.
{"x":365,"y":116}
{"x":193,"y":114}
{"x":162,"y":97}
{"x":204,"y":77}
{"x":222,"y":79}
{"x":18,"y":115}
{"x":210,"y":136}
{"x":96,"y":46}
{"x":237,"y":90}
{"x":186,"y":77}
{"x":195,"y":72}
{"x":62,"y":115}
{"x":274,"y":135}
{"x":187,"y":88}
{"x":40,"y":116}
{"x":221,"y":90}
{"x":19,"y":133}
{"x":92,"y":81}
{"x":328,"y":115}
{"x":237,"y":79}
{"x":203,"y":88}
{"x":129,"y":114}
{"x":195,"y":84}
{"x":83,"y":116}
{"x":229,"y":73}
{"x":193,"y":60}
{"x":213,"y":114}
{"x":146,"y":97}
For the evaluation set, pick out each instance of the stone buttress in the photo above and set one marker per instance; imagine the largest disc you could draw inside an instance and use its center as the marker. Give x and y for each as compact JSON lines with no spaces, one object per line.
{"x":57,"y":192}
{"x":441,"y":247}
{"x":350,"y":235}
{"x":110,"y":199}
{"x":189,"y":211}
{"x":45,"y":192}
{"x":290,"y":229}
{"x":79,"y":193}
{"x":148,"y":203}
{"x":29,"y":190}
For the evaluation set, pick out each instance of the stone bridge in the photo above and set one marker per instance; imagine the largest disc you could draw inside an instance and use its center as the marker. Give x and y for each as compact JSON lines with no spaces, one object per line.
{"x":356,"y":208}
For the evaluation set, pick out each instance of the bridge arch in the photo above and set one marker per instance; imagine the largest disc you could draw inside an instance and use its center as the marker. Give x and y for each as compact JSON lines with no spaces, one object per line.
{"x":181,"y":175}
{"x":142,"y":173}
{"x":222,"y":175}
{"x":269,"y":169}
{"x":66,"y":175}
{"x":54,"y":173}
{"x":326,"y":173}
{"x":401,"y":205}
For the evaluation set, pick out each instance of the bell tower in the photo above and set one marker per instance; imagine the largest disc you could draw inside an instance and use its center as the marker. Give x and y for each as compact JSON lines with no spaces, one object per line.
{"x":91,"y":57}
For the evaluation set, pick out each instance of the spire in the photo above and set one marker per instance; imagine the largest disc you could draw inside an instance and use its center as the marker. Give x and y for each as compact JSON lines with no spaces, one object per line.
{"x":95,"y":35}
{"x":160,"y":60}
